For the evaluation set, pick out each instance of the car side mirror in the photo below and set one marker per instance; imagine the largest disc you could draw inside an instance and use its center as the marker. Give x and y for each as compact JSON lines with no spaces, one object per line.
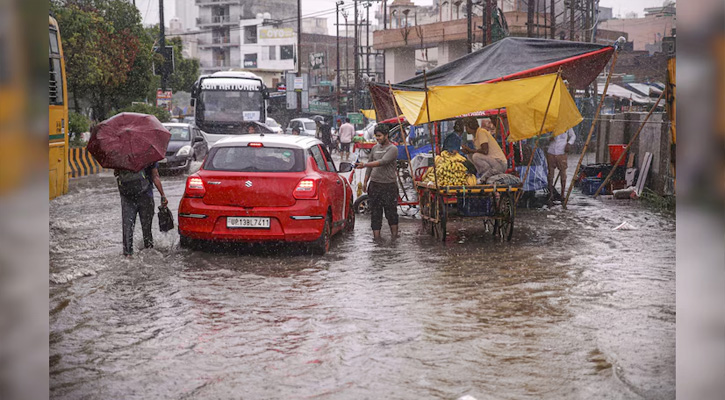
{"x":345,"y":167}
{"x":198,"y":139}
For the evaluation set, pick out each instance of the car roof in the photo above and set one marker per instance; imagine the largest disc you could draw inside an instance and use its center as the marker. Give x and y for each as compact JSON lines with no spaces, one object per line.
{"x":302,"y":120}
{"x":303,"y":142}
{"x":179,"y":124}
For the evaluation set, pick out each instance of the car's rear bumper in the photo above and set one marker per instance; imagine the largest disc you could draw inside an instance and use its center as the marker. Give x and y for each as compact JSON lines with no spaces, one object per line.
{"x":302,"y":222}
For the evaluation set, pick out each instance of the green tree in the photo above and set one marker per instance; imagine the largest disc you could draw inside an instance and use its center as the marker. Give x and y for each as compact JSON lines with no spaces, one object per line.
{"x":161,"y":114}
{"x":107,"y":52}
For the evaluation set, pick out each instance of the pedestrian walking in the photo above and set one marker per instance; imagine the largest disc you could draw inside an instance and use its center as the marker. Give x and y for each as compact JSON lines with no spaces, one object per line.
{"x":556,"y":159}
{"x":346,"y":132}
{"x":381,"y":183}
{"x":325,"y":133}
{"x":137,"y":197}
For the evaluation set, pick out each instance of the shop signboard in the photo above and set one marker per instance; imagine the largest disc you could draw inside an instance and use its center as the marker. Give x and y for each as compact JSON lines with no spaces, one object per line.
{"x":355,"y":118}
{"x":321,"y":107}
{"x":163,"y":99}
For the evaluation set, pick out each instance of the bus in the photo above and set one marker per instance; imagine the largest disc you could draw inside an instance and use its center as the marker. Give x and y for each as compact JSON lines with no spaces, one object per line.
{"x":57,"y":115}
{"x":226,"y":102}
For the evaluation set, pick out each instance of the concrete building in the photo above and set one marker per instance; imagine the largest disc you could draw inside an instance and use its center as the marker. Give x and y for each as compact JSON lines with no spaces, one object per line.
{"x":317,"y":26}
{"x":223,"y":35}
{"x":189,"y":43}
{"x":186,"y":13}
{"x":425,"y":37}
{"x":646,"y":33}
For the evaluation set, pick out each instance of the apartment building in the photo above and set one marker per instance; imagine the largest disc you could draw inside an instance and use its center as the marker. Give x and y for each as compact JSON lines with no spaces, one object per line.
{"x":222,"y":34}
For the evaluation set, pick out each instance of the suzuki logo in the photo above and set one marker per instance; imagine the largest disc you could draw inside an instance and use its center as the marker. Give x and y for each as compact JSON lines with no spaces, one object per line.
{"x":248,"y":183}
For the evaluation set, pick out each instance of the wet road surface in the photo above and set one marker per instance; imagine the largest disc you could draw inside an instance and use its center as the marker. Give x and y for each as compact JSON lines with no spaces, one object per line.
{"x":569,"y":309}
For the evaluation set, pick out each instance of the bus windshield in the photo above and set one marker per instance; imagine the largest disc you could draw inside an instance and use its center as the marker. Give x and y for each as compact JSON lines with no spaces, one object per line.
{"x":231,"y":106}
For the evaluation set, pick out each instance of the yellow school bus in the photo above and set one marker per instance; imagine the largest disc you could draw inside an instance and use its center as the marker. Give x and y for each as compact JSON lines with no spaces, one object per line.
{"x":57,"y":115}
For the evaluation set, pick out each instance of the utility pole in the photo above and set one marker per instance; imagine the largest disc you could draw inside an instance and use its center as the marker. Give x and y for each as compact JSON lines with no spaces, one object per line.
{"x":469,"y":11}
{"x":337,"y":53}
{"x":356,"y":65}
{"x":572,"y":7}
{"x":552,"y":20}
{"x":385,"y":22}
{"x":587,"y":20}
{"x":162,"y":46}
{"x":299,"y":53}
{"x":367,"y":39}
{"x":347,"y":59}
{"x":530,"y":19}
{"x":484,"y":22}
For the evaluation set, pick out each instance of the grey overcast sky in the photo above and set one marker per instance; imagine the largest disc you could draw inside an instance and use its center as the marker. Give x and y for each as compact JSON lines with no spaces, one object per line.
{"x":150,"y":8}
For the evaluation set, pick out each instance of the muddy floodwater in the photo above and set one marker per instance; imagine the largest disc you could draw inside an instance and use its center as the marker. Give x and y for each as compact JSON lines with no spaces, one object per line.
{"x":569,"y":309}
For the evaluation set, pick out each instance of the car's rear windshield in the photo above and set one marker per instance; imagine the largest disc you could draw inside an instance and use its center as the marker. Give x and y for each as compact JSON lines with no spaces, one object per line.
{"x":255,"y":159}
{"x":310,"y":126}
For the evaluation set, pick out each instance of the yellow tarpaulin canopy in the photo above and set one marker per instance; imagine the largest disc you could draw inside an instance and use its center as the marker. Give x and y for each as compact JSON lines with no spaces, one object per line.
{"x":369,"y":114}
{"x":525,"y":101}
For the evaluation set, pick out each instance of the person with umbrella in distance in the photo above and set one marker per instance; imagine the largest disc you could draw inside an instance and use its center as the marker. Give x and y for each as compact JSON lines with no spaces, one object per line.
{"x":132,"y":144}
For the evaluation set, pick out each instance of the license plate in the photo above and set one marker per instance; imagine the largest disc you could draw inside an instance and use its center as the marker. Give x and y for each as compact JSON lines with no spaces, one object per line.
{"x":247,"y":222}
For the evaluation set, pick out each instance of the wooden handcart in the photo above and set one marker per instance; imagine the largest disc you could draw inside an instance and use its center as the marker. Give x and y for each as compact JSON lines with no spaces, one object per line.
{"x":495,"y":204}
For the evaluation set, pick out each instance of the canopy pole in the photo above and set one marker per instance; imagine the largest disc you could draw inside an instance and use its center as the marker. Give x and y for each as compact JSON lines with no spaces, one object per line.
{"x":402,"y":132}
{"x":621,"y":156}
{"x":430,"y":134}
{"x":541,"y":130}
{"x":591,"y":130}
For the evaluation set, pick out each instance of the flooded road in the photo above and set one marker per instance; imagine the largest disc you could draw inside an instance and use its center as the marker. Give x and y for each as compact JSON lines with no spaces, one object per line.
{"x":569,"y":309}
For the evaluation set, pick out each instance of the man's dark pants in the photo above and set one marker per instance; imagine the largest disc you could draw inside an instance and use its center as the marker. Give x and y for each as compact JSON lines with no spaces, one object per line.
{"x":383,"y":197}
{"x":143,"y":205}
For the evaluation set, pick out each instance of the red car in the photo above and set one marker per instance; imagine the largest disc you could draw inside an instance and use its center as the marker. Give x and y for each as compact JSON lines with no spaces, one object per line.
{"x":267,"y":188}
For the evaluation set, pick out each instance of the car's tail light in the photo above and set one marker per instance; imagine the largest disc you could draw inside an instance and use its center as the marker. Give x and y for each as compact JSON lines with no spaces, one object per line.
{"x":255,"y":144}
{"x":194,"y":187}
{"x":306,"y":189}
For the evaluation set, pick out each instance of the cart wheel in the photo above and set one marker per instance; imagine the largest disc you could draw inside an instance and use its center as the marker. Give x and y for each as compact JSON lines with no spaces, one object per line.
{"x":425,"y":210}
{"x":439,"y":228}
{"x":503,"y":227}
{"x":361,"y":205}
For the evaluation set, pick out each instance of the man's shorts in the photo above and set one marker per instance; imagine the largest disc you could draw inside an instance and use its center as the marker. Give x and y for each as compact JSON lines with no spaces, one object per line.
{"x":556,"y":161}
{"x":345,"y":147}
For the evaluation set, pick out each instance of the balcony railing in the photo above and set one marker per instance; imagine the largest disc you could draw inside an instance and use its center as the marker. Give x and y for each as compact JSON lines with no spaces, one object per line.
{"x":219,"y":42}
{"x":218,"y":20}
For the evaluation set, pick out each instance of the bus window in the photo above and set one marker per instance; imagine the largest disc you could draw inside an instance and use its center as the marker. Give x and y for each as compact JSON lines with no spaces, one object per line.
{"x":56,"y":83}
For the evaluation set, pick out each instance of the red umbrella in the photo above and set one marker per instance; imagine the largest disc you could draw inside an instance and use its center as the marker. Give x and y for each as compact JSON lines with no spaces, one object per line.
{"x":130,"y":141}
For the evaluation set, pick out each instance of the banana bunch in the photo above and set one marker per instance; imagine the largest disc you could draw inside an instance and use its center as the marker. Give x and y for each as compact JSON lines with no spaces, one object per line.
{"x":451,"y":171}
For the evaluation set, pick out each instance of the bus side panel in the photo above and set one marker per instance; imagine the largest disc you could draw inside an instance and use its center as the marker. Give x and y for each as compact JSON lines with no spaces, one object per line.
{"x":57,"y":163}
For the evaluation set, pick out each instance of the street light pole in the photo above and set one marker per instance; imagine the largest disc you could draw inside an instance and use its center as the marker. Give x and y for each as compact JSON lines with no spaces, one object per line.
{"x":469,"y":10}
{"x":162,"y":46}
{"x":337,"y":24}
{"x":299,"y":53}
{"x":355,"y":54}
{"x":347,"y":62}
{"x":367,"y":39}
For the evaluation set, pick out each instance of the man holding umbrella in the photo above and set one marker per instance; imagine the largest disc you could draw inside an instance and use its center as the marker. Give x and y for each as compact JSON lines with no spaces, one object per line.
{"x":132,"y":144}
{"x":141,"y":204}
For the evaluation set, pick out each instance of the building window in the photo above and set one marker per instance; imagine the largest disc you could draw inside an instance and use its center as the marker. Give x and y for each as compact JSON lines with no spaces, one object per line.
{"x":250,"y":34}
{"x":250,"y":60}
{"x":272,"y":51}
{"x":286,"y":52}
